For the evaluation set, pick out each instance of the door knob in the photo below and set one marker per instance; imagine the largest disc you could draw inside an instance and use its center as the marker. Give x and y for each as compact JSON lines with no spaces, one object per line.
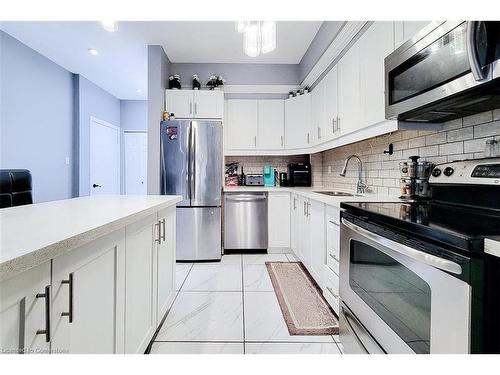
{"x":96,"y":186}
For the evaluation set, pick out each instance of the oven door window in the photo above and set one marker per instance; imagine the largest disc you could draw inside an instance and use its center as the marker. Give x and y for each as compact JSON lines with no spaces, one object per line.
{"x":396,"y":294}
{"x":442,"y":61}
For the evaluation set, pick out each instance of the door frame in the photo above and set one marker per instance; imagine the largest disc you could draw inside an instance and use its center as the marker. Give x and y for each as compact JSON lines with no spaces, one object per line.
{"x":119,"y":167}
{"x":124,"y":166}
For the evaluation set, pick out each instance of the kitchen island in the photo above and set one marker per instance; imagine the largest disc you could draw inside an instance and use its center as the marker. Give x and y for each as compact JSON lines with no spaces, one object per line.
{"x":86,"y":275}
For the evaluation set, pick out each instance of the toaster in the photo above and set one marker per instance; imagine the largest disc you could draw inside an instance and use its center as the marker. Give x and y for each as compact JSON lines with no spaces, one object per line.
{"x":254,"y":180}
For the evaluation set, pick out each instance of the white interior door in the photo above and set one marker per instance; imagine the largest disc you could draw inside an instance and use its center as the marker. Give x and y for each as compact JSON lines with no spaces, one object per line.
{"x":104,"y":158}
{"x":135,"y":153}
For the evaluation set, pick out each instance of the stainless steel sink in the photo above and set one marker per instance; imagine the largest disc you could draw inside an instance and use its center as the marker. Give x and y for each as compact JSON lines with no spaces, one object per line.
{"x":337,"y":193}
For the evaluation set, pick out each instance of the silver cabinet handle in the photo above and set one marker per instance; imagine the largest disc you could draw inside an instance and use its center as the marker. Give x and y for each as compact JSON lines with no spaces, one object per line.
{"x":420,"y":256}
{"x":334,"y":223}
{"x":294,"y":203}
{"x":255,"y":141}
{"x":163,"y":226}
{"x":281,"y":141}
{"x":319,"y":132}
{"x":45,"y":331}
{"x":22,"y":325}
{"x":308,"y":209}
{"x":69,"y":313}
{"x":195,"y":108}
{"x":307,"y":137}
{"x":331,"y":291}
{"x":190,"y":108}
{"x":338,"y":123}
{"x":334,"y":257}
{"x":245,"y":197}
{"x":475,"y":66}
{"x":157,"y":226}
{"x":304,"y":209}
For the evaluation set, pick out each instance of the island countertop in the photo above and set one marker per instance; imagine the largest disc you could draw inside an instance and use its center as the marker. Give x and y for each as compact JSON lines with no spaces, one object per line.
{"x":33,"y":234}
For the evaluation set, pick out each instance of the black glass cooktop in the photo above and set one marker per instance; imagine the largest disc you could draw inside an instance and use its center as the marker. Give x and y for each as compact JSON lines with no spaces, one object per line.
{"x":462,"y":227}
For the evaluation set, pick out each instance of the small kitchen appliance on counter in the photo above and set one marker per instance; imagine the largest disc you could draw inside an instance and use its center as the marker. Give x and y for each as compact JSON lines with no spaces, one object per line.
{"x":254,"y":180}
{"x":440,"y":279}
{"x":283,"y":179}
{"x":299,"y":174}
{"x":268,"y":175}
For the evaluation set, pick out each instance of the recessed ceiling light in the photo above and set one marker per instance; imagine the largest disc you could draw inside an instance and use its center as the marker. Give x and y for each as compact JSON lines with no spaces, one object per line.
{"x":110,"y":26}
{"x":93,"y":51}
{"x":138,"y":91}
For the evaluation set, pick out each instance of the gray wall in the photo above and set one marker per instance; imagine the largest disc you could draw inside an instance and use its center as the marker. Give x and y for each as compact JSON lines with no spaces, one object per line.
{"x":239,"y":74}
{"x":36,"y":119}
{"x":92,"y":102}
{"x":134,"y":114}
{"x":159,"y":68}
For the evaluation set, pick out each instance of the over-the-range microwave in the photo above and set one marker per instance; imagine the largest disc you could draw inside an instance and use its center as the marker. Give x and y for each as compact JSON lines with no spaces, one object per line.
{"x":446,"y":71}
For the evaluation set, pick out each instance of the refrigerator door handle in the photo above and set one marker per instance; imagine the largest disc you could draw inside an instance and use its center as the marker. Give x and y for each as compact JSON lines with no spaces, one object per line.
{"x":192,"y":153}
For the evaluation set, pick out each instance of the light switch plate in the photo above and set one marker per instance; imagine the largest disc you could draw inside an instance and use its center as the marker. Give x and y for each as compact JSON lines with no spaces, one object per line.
{"x":67,"y":160}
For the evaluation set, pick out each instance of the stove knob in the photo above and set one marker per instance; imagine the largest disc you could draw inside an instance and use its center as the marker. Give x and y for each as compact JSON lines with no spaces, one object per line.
{"x":436,"y":172}
{"x":448,"y":171}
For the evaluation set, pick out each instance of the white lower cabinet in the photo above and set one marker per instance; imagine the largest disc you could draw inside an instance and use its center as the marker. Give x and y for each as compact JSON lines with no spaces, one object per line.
{"x":294,"y":223}
{"x":278,"y":220}
{"x":316,"y":213}
{"x":140,"y":311}
{"x":23,"y":312}
{"x":86,"y":297}
{"x":304,"y":240}
{"x":165,"y":262}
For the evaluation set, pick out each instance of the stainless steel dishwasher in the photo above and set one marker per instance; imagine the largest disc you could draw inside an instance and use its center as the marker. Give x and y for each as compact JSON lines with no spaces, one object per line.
{"x":245,"y":221}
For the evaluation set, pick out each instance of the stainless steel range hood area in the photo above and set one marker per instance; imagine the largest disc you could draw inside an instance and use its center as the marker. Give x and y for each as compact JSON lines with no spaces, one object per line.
{"x":446,"y":71}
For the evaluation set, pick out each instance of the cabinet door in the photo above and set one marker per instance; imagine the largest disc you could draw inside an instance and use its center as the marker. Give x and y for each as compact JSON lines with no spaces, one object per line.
{"x":241,"y":126}
{"x":86,"y":308}
{"x":349,"y":91}
{"x":23,"y":314}
{"x":331,"y":104}
{"x":298,"y":122}
{"x":271,"y":125}
{"x":279,"y":220}
{"x":318,"y":127}
{"x":317,"y":238}
{"x":294,"y":224}
{"x":376,"y":43}
{"x":304,"y":233}
{"x":208,"y":104}
{"x":180,"y":102}
{"x":404,"y":30}
{"x":165,"y":262}
{"x":140,"y":309}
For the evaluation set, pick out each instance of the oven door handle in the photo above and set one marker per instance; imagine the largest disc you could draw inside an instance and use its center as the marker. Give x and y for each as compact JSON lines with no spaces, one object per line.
{"x":420,"y":256}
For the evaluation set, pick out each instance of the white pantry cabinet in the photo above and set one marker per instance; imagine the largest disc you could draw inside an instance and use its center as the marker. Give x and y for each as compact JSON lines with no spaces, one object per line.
{"x":165,"y":262}
{"x":298,"y":122}
{"x":87,"y":291}
{"x":279,"y":220}
{"x":271,"y":124}
{"x":140,"y":265}
{"x":24,"y":305}
{"x":206,"y":104}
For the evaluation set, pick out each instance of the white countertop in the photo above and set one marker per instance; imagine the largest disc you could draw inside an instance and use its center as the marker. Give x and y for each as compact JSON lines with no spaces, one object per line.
{"x":33,"y":234}
{"x":311,"y":193}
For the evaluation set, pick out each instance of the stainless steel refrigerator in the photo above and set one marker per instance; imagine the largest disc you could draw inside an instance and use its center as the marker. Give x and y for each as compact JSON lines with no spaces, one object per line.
{"x":191,"y":166}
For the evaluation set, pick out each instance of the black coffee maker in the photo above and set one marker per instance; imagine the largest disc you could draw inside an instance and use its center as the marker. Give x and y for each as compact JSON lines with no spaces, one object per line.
{"x":283,"y":179}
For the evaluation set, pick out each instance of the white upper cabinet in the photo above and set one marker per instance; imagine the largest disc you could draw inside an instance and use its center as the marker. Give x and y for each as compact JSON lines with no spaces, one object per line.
{"x":375,"y":44}
{"x":404,"y":30}
{"x":271,"y":125}
{"x":318,"y":126}
{"x":349,"y":91}
{"x":241,"y":124}
{"x":331,"y":104}
{"x":298,"y":122}
{"x":195,"y":103}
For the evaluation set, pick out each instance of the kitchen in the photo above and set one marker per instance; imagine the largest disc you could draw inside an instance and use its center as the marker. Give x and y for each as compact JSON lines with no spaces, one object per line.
{"x":351,"y":209}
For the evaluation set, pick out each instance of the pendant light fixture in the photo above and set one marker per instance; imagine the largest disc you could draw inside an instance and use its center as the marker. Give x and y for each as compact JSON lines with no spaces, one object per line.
{"x":258,"y":36}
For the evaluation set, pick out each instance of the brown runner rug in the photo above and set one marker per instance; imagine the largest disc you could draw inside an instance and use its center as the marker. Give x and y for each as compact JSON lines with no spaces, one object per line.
{"x":305,"y":310}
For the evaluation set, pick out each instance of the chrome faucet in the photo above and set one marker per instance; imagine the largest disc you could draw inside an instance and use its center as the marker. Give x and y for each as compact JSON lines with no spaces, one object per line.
{"x":360,"y":186}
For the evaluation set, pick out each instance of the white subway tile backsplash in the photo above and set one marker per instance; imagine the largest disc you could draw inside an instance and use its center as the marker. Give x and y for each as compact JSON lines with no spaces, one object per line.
{"x":457,"y":140}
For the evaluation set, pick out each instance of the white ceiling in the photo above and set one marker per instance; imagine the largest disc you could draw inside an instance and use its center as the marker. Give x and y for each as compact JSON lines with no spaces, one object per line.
{"x":121,"y":66}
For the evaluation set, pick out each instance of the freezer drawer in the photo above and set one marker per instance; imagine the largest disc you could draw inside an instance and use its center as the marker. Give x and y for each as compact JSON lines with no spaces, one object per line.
{"x":245,"y":221}
{"x":199,"y":233}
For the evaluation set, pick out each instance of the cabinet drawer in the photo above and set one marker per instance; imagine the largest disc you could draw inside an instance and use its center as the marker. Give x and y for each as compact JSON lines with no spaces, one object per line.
{"x":333,"y":263}
{"x":333,"y":214}
{"x":333,"y":245}
{"x":331,"y":288}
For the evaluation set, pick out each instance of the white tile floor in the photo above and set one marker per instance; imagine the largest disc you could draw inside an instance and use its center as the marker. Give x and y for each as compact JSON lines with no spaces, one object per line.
{"x":229,"y":307}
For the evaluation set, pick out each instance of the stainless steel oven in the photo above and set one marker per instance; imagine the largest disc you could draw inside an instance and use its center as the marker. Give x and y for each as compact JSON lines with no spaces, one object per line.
{"x":447,"y":70}
{"x":396,"y":298}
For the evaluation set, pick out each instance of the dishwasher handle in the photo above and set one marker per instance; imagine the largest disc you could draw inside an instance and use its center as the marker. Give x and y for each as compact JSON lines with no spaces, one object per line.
{"x":246,"y":197}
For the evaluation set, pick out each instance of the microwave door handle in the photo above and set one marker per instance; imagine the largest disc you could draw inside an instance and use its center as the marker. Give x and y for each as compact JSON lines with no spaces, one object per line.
{"x":475,"y":66}
{"x":420,"y":256}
